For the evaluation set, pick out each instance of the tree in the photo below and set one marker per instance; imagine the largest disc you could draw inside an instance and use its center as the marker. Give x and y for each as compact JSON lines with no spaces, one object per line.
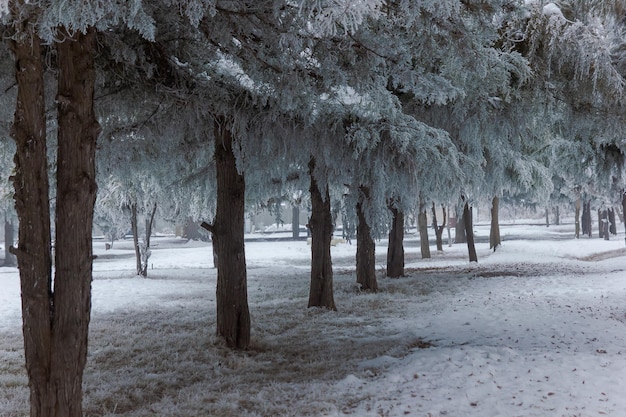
{"x":55,"y":316}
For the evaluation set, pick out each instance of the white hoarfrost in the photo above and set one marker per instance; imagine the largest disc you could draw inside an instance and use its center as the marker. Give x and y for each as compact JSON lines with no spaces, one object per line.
{"x":552,"y":9}
{"x":536,"y":329}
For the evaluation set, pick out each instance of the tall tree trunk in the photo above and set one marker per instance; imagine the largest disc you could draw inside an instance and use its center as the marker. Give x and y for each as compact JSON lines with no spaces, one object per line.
{"x":439,"y":229}
{"x":422,"y":224}
{"x":9,"y":238}
{"x":547,"y":217}
{"x":32,"y":205}
{"x":365,"y":247}
{"x":76,"y":196}
{"x":321,"y":292}
{"x":233,"y":316}
{"x":577,"y":219}
{"x":295,"y":222}
{"x":469,"y":232}
{"x":494,"y":232}
{"x":395,"y":248}
{"x":459,"y":230}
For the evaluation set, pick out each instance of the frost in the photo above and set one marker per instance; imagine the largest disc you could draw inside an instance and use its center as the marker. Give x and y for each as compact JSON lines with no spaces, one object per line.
{"x":552,"y":9}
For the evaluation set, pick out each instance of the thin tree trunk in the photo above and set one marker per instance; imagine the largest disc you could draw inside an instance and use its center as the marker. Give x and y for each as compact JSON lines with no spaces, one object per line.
{"x":439,"y":229}
{"x":587,"y":218}
{"x":624,"y":212}
{"x":320,"y":225}
{"x":295,"y":222}
{"x":469,"y":232}
{"x":600,"y":225}
{"x":395,"y":249}
{"x":459,"y":235}
{"x":365,"y":248}
{"x":448,"y":229}
{"x":577,"y":219}
{"x":9,"y":240}
{"x":145,"y":249}
{"x":547,"y":217}
{"x":233,"y":316}
{"x":422,"y":223}
{"x":30,"y":181}
{"x":494,"y":232}
{"x":133,"y":227}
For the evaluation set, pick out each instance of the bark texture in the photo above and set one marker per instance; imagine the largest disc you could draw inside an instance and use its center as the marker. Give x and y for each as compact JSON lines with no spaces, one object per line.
{"x":366,"y":248}
{"x":56,"y":323}
{"x":34,"y":257}
{"x":321,"y":292}
{"x":395,"y":250}
{"x":76,"y":196}
{"x":494,"y":231}
{"x":233,"y":315}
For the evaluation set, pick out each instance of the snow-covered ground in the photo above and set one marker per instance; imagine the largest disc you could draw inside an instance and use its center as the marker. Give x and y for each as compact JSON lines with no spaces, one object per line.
{"x":537,"y":328}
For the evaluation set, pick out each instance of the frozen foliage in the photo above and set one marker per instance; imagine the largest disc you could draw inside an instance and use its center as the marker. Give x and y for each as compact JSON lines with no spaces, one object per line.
{"x":78,"y":15}
{"x":535,"y":329}
{"x":329,"y":17}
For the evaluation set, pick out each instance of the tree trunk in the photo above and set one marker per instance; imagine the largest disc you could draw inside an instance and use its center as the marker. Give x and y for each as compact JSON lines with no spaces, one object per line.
{"x":577,"y":219}
{"x":422,"y":223}
{"x":557,"y":219}
{"x":624,"y":212}
{"x":365,"y":247}
{"x":145,"y":248}
{"x":459,"y":231}
{"x":547,"y":217}
{"x":612,"y":224}
{"x":321,"y":227}
{"x":295,"y":222}
{"x":439,"y":229}
{"x":395,"y":248}
{"x":233,"y":316}
{"x":494,"y":232}
{"x":469,"y":232}
{"x":76,"y":196}
{"x":30,"y":182}
{"x":603,"y":220}
{"x":600,"y":225}
{"x":587,"y":229}
{"x":448,"y":229}
{"x":133,"y":226}
{"x":9,"y":238}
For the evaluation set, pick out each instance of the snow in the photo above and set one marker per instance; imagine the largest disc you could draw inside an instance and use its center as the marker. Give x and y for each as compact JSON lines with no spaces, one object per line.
{"x":552,"y":9}
{"x":537,"y":328}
